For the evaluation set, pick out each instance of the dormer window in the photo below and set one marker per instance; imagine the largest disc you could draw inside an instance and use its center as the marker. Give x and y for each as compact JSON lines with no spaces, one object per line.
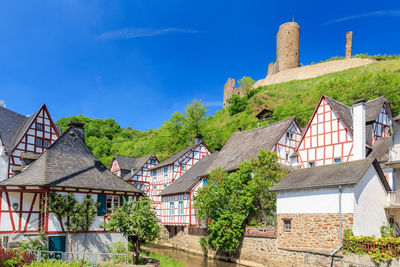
{"x":311,"y":164}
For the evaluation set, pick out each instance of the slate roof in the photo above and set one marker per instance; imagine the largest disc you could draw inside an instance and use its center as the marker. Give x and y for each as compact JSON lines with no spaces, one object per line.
{"x":191,"y":177}
{"x":69,"y":163}
{"x":380,"y":149}
{"x":347,"y":173}
{"x":245,"y":145}
{"x":176,"y":156}
{"x":137,"y":165}
{"x":125,"y":163}
{"x":372,"y":110}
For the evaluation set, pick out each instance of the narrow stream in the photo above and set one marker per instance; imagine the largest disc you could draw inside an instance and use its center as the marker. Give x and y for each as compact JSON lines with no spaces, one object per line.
{"x":190,"y":259}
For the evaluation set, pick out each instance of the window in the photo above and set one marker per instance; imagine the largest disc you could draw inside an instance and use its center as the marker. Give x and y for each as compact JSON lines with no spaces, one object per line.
{"x":183,"y":167}
{"x":180,"y":207}
{"x":338,"y":160}
{"x":311,"y":163}
{"x":171,"y":208}
{"x":46,"y":144}
{"x":112,"y":203}
{"x":205,"y":182}
{"x":4,"y":242}
{"x":153,"y":161}
{"x":289,"y":135}
{"x":165,"y":171}
{"x":154,"y":174}
{"x":39,"y":142}
{"x":154,"y":190}
{"x":287,"y":225}
{"x":39,"y":126}
{"x":164,"y":186}
{"x":286,"y":157}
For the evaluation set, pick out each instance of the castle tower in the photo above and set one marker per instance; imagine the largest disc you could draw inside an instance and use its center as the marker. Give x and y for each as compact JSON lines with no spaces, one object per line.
{"x":349,"y":44}
{"x":229,"y":90}
{"x":288,"y":46}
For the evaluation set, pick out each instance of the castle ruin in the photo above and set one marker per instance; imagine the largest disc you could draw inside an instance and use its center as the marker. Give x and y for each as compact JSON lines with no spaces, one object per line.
{"x":229,"y":91}
{"x":287,"y":48}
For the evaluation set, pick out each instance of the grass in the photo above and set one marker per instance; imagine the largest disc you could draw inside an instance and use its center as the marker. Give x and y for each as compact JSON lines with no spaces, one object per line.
{"x":165,"y":261}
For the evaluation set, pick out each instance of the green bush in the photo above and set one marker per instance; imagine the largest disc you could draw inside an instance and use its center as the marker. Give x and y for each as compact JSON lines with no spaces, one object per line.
{"x":37,"y":243}
{"x":388,"y":231}
{"x":381,"y":252}
{"x":119,"y":248}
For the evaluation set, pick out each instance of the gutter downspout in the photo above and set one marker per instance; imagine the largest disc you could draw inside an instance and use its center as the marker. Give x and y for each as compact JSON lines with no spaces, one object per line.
{"x":340,"y":226}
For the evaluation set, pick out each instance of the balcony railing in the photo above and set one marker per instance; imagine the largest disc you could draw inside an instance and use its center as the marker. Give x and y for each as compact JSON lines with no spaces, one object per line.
{"x":393,"y":199}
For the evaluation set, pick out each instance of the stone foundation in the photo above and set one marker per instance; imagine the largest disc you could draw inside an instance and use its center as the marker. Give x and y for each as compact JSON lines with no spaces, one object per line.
{"x":312,"y":230}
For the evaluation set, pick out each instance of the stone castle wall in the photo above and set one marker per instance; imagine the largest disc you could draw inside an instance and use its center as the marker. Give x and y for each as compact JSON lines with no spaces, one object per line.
{"x":230,"y":90}
{"x":312,"y":230}
{"x":288,"y":46}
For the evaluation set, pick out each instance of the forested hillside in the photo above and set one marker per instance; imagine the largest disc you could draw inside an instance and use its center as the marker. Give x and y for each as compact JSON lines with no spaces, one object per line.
{"x":106,"y":137}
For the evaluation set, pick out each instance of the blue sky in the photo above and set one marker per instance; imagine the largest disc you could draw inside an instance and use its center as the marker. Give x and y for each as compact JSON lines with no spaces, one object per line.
{"x":139,"y":61}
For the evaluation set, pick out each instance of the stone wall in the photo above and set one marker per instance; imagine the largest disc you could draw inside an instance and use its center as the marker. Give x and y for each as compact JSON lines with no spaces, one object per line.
{"x":312,"y":230}
{"x":229,"y":91}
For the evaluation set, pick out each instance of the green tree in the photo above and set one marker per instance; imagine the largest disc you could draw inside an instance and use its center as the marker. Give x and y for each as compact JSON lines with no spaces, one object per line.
{"x":246,"y":84}
{"x":196,"y":117}
{"x":237,"y":104}
{"x":74,"y":215}
{"x":231,"y":200}
{"x":137,"y":221}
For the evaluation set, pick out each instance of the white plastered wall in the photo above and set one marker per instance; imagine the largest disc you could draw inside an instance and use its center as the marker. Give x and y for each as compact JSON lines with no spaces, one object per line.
{"x":369,"y":204}
{"x":324,"y":200}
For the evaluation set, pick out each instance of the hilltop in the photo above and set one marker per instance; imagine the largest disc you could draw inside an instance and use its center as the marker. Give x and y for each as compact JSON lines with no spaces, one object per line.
{"x":286,"y":99}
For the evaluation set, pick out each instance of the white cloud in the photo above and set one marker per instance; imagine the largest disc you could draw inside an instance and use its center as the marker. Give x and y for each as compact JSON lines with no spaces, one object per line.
{"x":129,"y":33}
{"x":380,"y":13}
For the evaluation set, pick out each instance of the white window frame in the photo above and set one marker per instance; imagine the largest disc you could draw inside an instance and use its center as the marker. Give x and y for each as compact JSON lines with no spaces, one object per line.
{"x":171,"y":208}
{"x":115,"y":203}
{"x":181,"y":208}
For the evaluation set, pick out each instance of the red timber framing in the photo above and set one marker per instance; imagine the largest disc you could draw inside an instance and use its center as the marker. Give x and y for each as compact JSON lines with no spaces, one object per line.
{"x":381,"y":127}
{"x":288,"y":143}
{"x":22,"y":210}
{"x":165,"y":175}
{"x":180,"y":217}
{"x":115,"y":168}
{"x":142,"y":177}
{"x":326,"y":138}
{"x":38,"y":136}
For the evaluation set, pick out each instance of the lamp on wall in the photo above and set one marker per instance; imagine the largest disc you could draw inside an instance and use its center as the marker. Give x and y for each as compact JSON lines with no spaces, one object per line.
{"x":15,"y":206}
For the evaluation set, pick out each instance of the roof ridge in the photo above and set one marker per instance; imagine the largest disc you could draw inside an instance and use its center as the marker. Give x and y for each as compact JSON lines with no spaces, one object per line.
{"x":265,"y":126}
{"x":333,"y":164}
{"x":13,"y":111}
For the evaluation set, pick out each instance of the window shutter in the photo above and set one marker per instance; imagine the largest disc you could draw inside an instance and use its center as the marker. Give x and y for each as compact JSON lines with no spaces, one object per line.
{"x":101,"y":210}
{"x":124,"y":198}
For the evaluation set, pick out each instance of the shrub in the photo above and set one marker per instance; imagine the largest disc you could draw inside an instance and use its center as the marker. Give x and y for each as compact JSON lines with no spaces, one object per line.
{"x":119,"y":248}
{"x":204,"y":243}
{"x":237,"y":104}
{"x":37,"y":243}
{"x":388,"y":231}
{"x":14,"y":257}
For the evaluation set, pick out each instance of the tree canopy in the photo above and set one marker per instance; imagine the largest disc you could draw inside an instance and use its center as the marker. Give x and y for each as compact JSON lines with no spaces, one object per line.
{"x":233,"y":201}
{"x":137,"y":221}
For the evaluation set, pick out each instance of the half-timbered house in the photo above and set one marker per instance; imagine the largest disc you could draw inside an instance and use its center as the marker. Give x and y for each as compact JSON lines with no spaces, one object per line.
{"x":330,"y":136}
{"x":66,"y":166}
{"x":172,"y":168}
{"x":140,"y":172}
{"x":21,"y":134}
{"x":177,"y":209}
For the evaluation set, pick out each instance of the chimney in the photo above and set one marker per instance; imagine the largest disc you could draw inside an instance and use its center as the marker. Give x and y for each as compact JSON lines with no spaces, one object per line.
{"x":239,"y":130}
{"x":198,"y":139}
{"x":359,"y":137}
{"x":2,"y":103}
{"x":79,"y":128}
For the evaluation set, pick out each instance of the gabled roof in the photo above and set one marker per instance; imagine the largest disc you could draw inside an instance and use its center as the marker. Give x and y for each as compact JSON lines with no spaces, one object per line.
{"x":69,"y":163}
{"x":14,"y":125}
{"x":138,"y":164}
{"x":191,"y":177}
{"x":245,"y":145}
{"x":176,"y":156}
{"x":347,"y":173}
{"x":372,"y":110}
{"x":124,"y":162}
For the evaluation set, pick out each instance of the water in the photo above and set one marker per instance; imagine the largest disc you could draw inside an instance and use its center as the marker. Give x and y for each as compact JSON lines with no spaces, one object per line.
{"x":190,"y":259}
